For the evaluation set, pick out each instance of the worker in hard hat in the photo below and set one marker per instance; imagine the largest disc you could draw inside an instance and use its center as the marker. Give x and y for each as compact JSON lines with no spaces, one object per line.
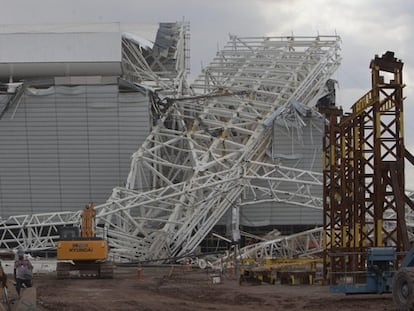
{"x":23,"y":272}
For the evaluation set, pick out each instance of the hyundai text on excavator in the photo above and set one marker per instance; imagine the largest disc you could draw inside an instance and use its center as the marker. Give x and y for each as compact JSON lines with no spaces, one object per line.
{"x":84,"y":253}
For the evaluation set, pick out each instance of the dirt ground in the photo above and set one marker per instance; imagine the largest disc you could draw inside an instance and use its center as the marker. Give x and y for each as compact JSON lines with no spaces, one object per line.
{"x":163,"y":289}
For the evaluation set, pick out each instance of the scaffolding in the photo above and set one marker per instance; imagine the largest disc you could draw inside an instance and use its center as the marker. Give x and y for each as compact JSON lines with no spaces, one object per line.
{"x":364,"y":153}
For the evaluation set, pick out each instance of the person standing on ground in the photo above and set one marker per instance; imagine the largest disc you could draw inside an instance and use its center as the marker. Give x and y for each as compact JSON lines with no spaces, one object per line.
{"x":23,"y":272}
{"x":3,"y":277}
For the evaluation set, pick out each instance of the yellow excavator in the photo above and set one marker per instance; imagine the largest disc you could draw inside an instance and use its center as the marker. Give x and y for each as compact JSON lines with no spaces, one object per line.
{"x":83,"y":254}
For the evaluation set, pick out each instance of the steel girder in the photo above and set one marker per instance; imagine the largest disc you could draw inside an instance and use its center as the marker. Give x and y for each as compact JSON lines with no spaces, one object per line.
{"x":300,"y":245}
{"x":263,"y":185}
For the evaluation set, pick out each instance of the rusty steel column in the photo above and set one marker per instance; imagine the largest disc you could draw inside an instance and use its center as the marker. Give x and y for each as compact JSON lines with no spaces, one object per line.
{"x":347,"y":208}
{"x":331,"y":189}
{"x":347,"y":181}
{"x":359,"y":209}
{"x":362,"y":112}
{"x":389,"y":152}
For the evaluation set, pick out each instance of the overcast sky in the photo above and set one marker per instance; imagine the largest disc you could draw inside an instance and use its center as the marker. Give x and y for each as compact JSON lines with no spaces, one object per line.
{"x":367,"y":27}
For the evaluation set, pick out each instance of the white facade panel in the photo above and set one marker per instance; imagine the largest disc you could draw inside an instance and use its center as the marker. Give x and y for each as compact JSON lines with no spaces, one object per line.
{"x":19,"y":71}
{"x":54,"y":54}
{"x":28,"y":51}
{"x":54,"y":47}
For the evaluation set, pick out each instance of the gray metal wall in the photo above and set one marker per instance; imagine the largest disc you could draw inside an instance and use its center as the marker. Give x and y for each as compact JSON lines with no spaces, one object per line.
{"x":72,"y":144}
{"x":302,"y":150}
{"x":68,"y":145}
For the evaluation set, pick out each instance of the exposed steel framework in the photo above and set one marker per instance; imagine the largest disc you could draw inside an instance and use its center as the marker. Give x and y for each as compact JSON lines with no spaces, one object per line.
{"x":363,"y":172}
{"x":207,"y":153}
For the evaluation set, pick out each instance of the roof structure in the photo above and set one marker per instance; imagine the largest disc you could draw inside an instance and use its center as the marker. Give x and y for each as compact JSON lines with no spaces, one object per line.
{"x":33,"y":51}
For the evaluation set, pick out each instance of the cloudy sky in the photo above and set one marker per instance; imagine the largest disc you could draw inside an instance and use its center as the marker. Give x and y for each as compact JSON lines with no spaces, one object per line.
{"x":366,"y":27}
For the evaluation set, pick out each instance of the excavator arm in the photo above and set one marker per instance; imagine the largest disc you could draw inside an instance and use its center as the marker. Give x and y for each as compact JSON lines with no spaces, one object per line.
{"x":88,"y":219}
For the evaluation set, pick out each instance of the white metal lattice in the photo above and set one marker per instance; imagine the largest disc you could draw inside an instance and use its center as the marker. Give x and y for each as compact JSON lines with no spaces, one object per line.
{"x":206,"y":149}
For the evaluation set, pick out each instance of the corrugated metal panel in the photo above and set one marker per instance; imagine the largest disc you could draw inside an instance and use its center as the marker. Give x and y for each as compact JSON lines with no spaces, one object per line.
{"x":302,"y":151}
{"x":65,"y":49}
{"x":61,"y":150}
{"x":278,"y":214}
{"x":40,"y":54}
{"x":58,"y":47}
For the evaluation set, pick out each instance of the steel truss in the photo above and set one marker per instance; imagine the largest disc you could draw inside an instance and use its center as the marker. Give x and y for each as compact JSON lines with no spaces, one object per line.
{"x":206,"y":150}
{"x":165,"y":65}
{"x":300,"y":245}
{"x":364,"y":200}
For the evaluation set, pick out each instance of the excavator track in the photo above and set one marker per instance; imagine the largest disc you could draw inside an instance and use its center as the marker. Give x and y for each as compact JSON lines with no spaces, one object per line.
{"x":100,"y":270}
{"x":403,"y":288}
{"x":63,"y":270}
{"x":106,"y":270}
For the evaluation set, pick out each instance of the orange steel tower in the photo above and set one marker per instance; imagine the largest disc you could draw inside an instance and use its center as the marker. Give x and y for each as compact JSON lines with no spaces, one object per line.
{"x":363,"y":172}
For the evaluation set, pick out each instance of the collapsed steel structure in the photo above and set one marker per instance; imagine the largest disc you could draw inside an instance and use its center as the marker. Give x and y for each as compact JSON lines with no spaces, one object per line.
{"x":207,"y":151}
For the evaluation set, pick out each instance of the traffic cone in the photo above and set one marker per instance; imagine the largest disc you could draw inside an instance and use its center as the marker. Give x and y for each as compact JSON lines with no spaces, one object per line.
{"x":231,"y":271}
{"x":139,"y":271}
{"x":187,"y":266}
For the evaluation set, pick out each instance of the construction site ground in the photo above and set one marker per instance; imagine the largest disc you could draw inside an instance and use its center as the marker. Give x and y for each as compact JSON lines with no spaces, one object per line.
{"x":166,"y":288}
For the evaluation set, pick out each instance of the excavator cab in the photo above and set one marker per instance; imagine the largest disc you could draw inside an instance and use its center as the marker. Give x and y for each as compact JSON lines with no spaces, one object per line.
{"x":69,"y":233}
{"x":84,"y":253}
